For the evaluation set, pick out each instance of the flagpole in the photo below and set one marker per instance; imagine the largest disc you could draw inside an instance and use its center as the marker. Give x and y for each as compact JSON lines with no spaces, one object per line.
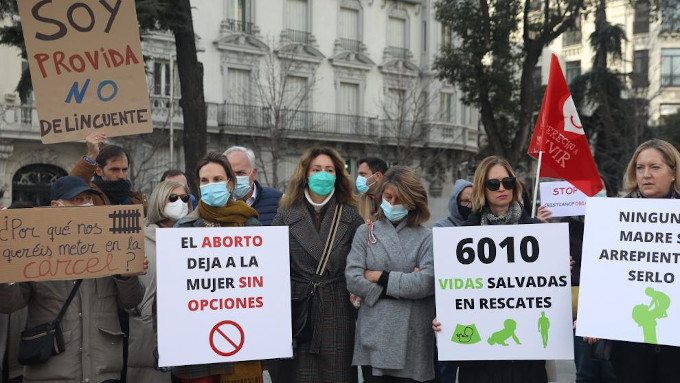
{"x":538,"y":171}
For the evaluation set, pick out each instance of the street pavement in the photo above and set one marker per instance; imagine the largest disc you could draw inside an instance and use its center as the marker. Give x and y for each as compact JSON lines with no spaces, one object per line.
{"x":565,"y":372}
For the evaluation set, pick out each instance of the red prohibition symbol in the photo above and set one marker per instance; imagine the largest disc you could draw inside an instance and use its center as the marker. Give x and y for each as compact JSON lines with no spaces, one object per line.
{"x":224,"y":344}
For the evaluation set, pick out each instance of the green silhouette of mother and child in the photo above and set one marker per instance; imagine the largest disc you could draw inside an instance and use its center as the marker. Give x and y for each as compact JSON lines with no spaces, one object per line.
{"x":646,"y":315}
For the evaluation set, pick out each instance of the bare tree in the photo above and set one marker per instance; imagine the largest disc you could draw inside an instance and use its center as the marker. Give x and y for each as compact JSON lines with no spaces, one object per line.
{"x":283,"y":87}
{"x":406,"y":127}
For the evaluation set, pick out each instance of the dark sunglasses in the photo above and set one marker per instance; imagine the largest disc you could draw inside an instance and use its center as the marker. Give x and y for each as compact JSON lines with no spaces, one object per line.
{"x":183,"y":197}
{"x":509,"y":183}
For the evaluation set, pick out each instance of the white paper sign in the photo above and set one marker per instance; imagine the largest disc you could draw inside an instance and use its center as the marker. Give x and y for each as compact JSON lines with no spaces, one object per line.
{"x":223,"y":295}
{"x":563,"y":199}
{"x":629,"y":273}
{"x":503,"y":292}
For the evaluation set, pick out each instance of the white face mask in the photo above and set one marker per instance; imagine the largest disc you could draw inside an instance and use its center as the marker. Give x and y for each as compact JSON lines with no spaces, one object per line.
{"x":87,"y":204}
{"x":176,"y":210}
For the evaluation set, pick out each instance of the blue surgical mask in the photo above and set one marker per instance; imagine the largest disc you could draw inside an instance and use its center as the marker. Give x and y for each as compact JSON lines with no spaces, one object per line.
{"x":601,"y":193}
{"x":215,"y":194}
{"x":242,"y":187}
{"x":321,"y":183}
{"x":362,"y":185}
{"x":394,"y":213}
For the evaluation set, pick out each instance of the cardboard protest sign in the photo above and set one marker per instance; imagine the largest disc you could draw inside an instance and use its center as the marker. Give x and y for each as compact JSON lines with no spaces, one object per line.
{"x":563,"y":199}
{"x":86,"y":67}
{"x":629,"y":272}
{"x":503,"y":292}
{"x":224,"y":294}
{"x":64,"y":243}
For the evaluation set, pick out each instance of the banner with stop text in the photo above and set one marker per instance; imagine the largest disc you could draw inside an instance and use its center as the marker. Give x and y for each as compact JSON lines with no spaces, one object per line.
{"x":224,"y":294}
{"x":62,"y":243}
{"x":630,"y":281}
{"x":503,"y":292}
{"x":87,"y":68}
{"x":562,"y":199}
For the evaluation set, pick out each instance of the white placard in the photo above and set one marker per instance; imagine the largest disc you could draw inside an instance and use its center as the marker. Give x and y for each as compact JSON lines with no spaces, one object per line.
{"x":629,"y":272}
{"x":563,"y":199}
{"x":503,"y":292}
{"x":223,"y":295}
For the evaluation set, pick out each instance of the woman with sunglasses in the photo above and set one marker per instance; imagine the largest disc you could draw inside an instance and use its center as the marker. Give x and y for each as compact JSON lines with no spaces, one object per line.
{"x":168,"y":204}
{"x":495,"y":201}
{"x":216,"y":208}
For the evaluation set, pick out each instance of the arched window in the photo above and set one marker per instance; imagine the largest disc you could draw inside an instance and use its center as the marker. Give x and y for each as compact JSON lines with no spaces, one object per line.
{"x":32,"y":183}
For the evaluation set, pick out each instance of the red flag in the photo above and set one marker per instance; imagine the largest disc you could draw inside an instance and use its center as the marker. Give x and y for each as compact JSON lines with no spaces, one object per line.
{"x":560,"y":136}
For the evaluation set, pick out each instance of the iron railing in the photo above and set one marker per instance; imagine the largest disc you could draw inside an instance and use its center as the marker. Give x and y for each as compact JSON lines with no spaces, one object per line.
{"x":239,"y":26}
{"x":298,"y":36}
{"x":397,"y":52}
{"x":350,"y":45}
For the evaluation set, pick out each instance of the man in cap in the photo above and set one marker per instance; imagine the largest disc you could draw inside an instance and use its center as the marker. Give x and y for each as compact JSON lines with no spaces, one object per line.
{"x":92,"y":335}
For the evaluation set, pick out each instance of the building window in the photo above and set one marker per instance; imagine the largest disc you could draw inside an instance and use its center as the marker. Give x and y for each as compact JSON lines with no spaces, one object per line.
{"x":350,"y":32}
{"x":161,"y":79}
{"x":296,"y":93}
{"x":239,"y":86}
{"x":670,"y":67}
{"x":238,"y":16}
{"x":446,"y":107}
{"x":641,"y":22}
{"x":396,"y":37}
{"x":349,"y":99}
{"x":670,"y":16}
{"x":395,"y":108}
{"x":573,"y":70}
{"x":32,"y":183}
{"x":640,"y":69}
{"x":297,"y":20}
{"x":446,"y":35}
{"x":424,"y":36}
{"x":573,"y":35}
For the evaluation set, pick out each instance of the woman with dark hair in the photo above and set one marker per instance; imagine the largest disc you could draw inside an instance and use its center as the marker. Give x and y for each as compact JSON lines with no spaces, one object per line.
{"x":653,"y":172}
{"x":318,"y":206}
{"x":496,"y":197}
{"x":217,"y":209}
{"x":391,"y":269}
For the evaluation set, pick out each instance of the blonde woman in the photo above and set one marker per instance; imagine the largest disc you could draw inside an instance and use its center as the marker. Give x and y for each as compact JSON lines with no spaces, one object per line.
{"x":391,"y":269}
{"x":496,"y":197}
{"x":168,"y":204}
{"x":652,"y":173}
{"x":318,"y":188}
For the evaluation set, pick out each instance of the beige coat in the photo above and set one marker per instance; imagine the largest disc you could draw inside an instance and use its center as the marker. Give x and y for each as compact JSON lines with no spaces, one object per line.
{"x":141,"y":360}
{"x":92,"y":335}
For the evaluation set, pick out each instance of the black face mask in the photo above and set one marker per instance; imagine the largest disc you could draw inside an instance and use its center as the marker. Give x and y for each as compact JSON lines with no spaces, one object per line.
{"x":464,"y":211}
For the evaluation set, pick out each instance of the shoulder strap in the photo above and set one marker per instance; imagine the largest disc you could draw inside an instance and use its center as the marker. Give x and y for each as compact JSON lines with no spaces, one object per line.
{"x":329,"y":241}
{"x":69,"y":299}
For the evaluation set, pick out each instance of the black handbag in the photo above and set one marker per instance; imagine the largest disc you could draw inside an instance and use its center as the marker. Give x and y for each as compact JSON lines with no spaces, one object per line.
{"x":301,"y":308}
{"x":39,"y":343}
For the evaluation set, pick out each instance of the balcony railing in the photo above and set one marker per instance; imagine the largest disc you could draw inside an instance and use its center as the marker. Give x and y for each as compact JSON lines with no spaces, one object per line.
{"x":259,"y":120}
{"x":238,"y":26}
{"x":350,"y":45}
{"x":397,"y":52}
{"x":298,"y":36}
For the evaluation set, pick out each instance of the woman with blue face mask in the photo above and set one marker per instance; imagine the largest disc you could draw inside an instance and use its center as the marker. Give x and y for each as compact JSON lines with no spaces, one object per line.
{"x":319,"y":208}
{"x":216,"y":208}
{"x":391,"y":268}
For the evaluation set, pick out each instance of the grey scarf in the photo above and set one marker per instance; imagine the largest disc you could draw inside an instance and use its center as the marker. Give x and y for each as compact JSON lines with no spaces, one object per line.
{"x":511,"y":217}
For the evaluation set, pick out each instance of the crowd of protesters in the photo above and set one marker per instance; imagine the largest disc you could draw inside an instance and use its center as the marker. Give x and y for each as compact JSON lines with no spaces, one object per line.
{"x":374,"y":308}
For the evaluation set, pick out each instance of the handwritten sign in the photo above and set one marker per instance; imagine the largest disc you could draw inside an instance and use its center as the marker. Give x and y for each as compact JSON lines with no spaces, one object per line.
{"x":563,"y":199}
{"x":63,"y":243}
{"x":629,"y":271}
{"x":86,"y":67}
{"x":502,"y":292}
{"x":224,"y":294}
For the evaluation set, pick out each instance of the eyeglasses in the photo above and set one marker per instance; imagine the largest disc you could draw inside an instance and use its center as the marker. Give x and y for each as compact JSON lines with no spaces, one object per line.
{"x":174,"y":197}
{"x":494,"y":184}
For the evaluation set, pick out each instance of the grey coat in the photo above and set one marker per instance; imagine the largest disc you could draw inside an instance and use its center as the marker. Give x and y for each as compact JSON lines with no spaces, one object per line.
{"x":393,"y":333}
{"x":92,"y":335}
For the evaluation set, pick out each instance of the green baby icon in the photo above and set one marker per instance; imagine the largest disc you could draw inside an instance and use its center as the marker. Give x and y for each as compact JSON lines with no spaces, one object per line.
{"x":499,"y":337}
{"x":646,"y":315}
